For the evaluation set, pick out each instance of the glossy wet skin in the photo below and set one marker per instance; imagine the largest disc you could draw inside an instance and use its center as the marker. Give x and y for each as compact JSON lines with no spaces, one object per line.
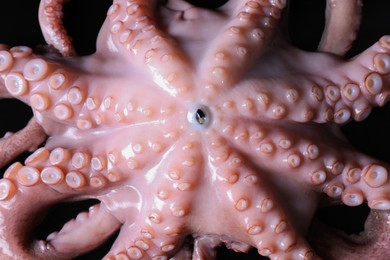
{"x":122,"y":204}
{"x":180,"y":17}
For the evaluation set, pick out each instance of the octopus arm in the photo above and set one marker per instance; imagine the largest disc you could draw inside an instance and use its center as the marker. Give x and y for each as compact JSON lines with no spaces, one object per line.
{"x":160,"y":227}
{"x":341,"y":27}
{"x":341,"y":173}
{"x":86,"y":232}
{"x":50,"y":19}
{"x":65,"y":172}
{"x":18,"y":238}
{"x":133,"y":30}
{"x":328,"y":90}
{"x":27,"y":139}
{"x":354,"y":87}
{"x":41,"y":83}
{"x":252,"y":213}
{"x":373,"y":242}
{"x":240,"y":42}
{"x":76,"y":237}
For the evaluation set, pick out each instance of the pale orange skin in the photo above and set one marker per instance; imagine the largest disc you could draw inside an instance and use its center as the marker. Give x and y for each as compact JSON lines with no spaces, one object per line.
{"x":191,"y":122}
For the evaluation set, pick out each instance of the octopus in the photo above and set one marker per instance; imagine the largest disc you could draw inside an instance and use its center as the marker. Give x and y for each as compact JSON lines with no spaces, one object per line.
{"x":194,"y":124}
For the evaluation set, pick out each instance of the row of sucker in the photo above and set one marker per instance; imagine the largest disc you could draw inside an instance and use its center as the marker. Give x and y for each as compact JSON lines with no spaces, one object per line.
{"x":42,"y":84}
{"x":257,"y":211}
{"x":50,"y":14}
{"x":263,"y":141}
{"x":350,"y":94}
{"x":158,"y":231}
{"x":81,"y":169}
{"x":76,"y":169}
{"x":239,"y":43}
{"x":133,"y":30}
{"x":362,"y":182}
{"x":361,"y":84}
{"x":72,"y":101}
{"x":323,"y":168}
{"x":102,"y":108}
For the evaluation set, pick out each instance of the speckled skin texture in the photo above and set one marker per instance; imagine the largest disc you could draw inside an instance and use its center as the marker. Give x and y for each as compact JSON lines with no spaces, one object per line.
{"x":192,"y":128}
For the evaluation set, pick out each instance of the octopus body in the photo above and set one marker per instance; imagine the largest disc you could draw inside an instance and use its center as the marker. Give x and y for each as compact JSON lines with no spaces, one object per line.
{"x":193,"y":127}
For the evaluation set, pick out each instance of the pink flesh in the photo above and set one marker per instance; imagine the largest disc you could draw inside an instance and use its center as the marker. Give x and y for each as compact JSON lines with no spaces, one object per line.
{"x":342,"y":25}
{"x":188,"y":121}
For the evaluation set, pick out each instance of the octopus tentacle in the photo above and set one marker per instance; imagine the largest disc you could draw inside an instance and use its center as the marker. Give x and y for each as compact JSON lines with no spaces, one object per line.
{"x":351,"y":177}
{"x":355,"y":183}
{"x":175,"y":191}
{"x":372,"y":242}
{"x":239,"y":43}
{"x":157,"y":229}
{"x":53,"y":169}
{"x":27,"y":139}
{"x":352,"y":90}
{"x":276,"y":99}
{"x":256,"y":210}
{"x":134,"y":31}
{"x":342,"y":23}
{"x":39,"y":83}
{"x":287,"y":153}
{"x":67,"y":98}
{"x":50,"y":19}
{"x":188,"y":121}
{"x":23,"y":219}
{"x":65,"y":173}
{"x":359,"y":85}
{"x":131,"y":244}
{"x":81,"y":235}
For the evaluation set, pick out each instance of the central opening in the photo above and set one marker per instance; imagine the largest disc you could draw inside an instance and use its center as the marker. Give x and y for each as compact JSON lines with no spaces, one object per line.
{"x":199,"y":117}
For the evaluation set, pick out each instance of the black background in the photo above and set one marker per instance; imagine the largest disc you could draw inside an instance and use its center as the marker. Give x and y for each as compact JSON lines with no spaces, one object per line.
{"x":83,"y":18}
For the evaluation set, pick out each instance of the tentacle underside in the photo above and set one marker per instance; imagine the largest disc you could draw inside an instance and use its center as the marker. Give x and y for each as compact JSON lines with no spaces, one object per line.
{"x":57,"y":175}
{"x":257,"y":211}
{"x":75,"y":238}
{"x":133,"y":29}
{"x":156,"y":232}
{"x":239,"y":43}
{"x":341,"y":27}
{"x":81,"y":235}
{"x":333,"y":91}
{"x":29,"y":138}
{"x":347,"y":176}
{"x":50,"y":19}
{"x":212,"y":184}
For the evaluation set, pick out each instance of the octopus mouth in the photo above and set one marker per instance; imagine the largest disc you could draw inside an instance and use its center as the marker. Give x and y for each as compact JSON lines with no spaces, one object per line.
{"x":199,"y":117}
